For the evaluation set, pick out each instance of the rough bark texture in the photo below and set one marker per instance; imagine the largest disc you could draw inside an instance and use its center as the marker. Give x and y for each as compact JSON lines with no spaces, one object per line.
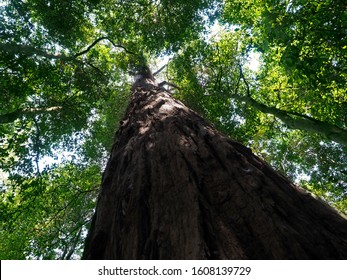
{"x":175,"y":188}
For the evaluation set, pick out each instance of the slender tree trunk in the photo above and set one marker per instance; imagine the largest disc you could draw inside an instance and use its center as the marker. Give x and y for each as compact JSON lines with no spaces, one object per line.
{"x":298,"y":121}
{"x":176,"y":188}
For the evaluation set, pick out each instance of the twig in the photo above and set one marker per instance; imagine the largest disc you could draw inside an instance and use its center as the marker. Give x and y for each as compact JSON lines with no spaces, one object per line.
{"x":95,"y":68}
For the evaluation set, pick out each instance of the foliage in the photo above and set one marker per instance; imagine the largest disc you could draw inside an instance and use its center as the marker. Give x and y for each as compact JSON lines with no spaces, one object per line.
{"x":304,"y":50}
{"x":65,"y":83}
{"x":303,"y":46}
{"x":47,"y":216}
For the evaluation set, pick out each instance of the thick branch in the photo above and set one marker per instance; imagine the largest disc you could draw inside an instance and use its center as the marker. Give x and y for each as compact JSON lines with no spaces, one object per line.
{"x":300,"y":121}
{"x":166,"y":83}
{"x":292,"y":119}
{"x":101,"y":39}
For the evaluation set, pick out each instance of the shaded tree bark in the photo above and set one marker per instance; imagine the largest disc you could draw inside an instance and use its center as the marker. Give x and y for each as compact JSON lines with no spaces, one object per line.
{"x":176,"y":188}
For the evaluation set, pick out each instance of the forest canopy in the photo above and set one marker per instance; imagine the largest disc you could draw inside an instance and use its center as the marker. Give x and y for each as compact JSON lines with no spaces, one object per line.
{"x":66,"y":69}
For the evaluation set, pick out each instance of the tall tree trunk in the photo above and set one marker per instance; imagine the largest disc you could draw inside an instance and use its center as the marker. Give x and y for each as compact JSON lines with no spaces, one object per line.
{"x":176,"y":188}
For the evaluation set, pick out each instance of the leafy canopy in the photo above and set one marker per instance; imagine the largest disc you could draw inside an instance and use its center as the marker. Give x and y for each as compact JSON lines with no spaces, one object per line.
{"x":65,"y":76}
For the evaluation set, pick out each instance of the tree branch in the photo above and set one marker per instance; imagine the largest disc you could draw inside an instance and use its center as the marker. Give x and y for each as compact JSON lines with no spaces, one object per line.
{"x":300,"y":121}
{"x":242,"y":76}
{"x":99,"y":40}
{"x":159,"y":70}
{"x":164,"y":83}
{"x":37,"y":148}
{"x":304,"y":122}
{"x":13,"y":49}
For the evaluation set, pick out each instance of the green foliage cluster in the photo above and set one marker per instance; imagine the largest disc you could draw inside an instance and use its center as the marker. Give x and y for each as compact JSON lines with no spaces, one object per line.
{"x":47,"y":216}
{"x":65,"y":83}
{"x":304,"y":52}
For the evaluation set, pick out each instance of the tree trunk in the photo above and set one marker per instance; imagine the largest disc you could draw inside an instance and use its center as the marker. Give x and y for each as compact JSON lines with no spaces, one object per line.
{"x":176,"y":188}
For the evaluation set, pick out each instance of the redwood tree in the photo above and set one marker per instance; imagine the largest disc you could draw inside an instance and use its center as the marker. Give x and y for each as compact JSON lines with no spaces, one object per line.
{"x":64,"y":84}
{"x":176,"y":188}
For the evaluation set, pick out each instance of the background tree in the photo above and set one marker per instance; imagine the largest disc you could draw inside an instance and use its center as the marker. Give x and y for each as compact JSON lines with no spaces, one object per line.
{"x":64,"y":84}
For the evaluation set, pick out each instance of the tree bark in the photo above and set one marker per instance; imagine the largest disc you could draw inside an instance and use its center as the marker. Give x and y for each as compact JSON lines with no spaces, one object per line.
{"x":176,"y":188}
